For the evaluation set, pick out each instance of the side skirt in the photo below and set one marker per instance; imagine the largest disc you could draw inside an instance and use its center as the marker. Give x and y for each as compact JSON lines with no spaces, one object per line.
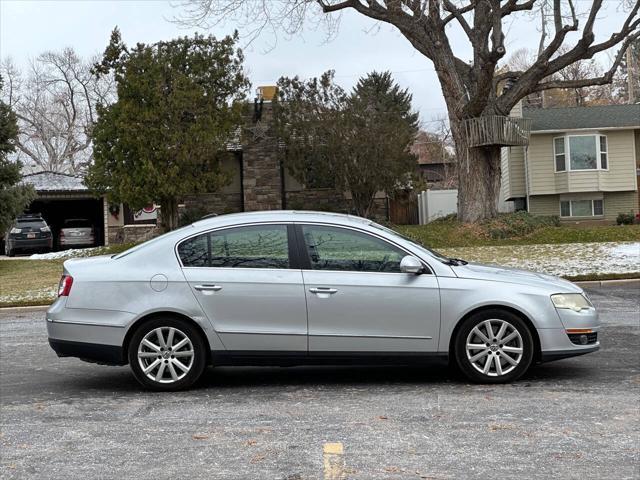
{"x":290,"y":359}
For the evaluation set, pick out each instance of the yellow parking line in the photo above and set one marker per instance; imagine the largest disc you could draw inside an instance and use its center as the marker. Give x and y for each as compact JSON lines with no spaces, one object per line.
{"x":333,"y":460}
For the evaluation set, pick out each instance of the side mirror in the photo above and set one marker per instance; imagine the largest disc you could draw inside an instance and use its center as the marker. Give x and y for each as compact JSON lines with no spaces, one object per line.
{"x":411,"y":264}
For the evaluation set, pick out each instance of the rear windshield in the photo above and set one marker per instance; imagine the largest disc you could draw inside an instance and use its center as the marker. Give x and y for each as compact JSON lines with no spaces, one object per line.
{"x":30,"y":224}
{"x":77,"y":223}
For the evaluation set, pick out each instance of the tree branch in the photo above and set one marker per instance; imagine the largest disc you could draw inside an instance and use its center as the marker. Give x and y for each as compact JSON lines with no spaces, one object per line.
{"x":604,"y":79}
{"x":458,"y":14}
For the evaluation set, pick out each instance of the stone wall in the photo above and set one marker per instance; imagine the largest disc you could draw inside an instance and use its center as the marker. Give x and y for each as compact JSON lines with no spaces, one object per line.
{"x":219,"y":203}
{"x":132,"y":233}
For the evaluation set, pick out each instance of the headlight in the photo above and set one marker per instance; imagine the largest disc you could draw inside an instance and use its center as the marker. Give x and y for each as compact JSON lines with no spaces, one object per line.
{"x":571,"y":301}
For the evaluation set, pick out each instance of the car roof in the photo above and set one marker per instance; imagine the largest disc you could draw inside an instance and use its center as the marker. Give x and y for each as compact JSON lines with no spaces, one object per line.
{"x":280,"y":216}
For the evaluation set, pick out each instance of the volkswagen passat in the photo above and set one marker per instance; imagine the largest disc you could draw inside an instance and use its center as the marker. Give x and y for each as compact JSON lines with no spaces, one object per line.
{"x":290,"y":288}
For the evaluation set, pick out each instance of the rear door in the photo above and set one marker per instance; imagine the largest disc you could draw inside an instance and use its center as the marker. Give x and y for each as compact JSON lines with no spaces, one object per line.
{"x":246,"y":282}
{"x":359,"y":301}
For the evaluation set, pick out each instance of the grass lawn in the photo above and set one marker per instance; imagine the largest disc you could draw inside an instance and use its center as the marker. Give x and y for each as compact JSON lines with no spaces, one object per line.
{"x":25,"y":282}
{"x":29,"y":282}
{"x":450,"y":234}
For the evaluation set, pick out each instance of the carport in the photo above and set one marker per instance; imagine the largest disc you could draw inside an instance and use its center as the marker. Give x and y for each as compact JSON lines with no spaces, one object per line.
{"x":61,"y":197}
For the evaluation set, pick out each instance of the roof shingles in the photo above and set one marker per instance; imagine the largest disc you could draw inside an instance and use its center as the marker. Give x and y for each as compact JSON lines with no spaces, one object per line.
{"x":54,"y":182}
{"x":574,"y":118}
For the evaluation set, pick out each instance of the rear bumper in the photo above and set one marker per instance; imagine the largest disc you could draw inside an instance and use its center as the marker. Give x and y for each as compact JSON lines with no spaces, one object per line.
{"x":30,"y":243}
{"x":91,"y":335}
{"x":89,"y":352}
{"x":64,"y":242}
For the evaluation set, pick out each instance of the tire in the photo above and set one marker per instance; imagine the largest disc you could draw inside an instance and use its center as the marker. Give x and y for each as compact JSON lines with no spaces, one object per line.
{"x":508,"y":361}
{"x":167,"y":373}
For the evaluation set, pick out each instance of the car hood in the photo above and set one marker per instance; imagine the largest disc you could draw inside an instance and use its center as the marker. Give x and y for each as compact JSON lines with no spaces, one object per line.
{"x":495,"y":273}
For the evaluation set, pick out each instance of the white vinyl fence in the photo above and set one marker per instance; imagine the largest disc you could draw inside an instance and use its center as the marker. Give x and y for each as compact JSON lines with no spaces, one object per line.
{"x":433,"y":204}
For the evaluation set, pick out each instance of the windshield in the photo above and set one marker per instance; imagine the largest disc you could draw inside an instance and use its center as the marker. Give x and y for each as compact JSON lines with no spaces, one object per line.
{"x":417,"y":245}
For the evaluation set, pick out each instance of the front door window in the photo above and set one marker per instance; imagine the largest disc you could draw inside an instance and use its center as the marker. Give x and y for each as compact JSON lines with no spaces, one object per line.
{"x":340,"y":249}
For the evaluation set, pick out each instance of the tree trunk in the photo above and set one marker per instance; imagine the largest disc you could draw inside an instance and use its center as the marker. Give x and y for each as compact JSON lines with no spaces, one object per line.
{"x":362,"y":202}
{"x":169,"y":214}
{"x":478,"y":179}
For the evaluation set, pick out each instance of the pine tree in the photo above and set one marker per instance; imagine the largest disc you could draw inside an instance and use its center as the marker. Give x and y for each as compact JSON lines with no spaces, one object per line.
{"x":358,"y":142}
{"x":13,"y":196}
{"x":179,"y":103}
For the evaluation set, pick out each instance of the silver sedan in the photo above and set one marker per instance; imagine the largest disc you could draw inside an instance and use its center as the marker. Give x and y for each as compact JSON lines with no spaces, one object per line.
{"x":291,"y":288}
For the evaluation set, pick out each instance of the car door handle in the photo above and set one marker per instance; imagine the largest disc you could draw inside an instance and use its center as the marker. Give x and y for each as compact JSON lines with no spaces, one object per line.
{"x":323,"y":290}
{"x":213,"y":288}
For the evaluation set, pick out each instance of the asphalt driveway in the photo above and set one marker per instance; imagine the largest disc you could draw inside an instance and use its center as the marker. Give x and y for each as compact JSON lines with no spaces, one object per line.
{"x":575,"y":418}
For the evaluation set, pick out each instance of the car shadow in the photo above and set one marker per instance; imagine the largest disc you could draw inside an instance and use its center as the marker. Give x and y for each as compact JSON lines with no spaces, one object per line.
{"x":120,"y":379}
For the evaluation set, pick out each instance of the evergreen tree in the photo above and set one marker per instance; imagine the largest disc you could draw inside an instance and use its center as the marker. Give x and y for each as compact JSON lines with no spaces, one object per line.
{"x":358,"y":142}
{"x":179,"y":103}
{"x":13,"y":197}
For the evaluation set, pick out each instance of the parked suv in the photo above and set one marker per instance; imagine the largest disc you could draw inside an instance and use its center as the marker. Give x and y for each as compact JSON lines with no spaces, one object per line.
{"x":76,"y":232}
{"x":28,"y":233}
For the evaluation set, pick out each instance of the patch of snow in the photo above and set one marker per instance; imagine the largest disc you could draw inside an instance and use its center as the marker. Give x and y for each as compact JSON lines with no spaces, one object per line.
{"x":45,"y":294}
{"x":71,"y":253}
{"x":567,"y":259}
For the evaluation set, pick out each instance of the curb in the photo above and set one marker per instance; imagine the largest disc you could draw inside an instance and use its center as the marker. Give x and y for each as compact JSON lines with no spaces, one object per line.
{"x":30,"y":308}
{"x":608,"y":283}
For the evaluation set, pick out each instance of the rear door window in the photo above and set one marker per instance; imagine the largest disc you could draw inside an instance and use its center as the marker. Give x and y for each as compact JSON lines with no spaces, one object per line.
{"x":255,"y":246}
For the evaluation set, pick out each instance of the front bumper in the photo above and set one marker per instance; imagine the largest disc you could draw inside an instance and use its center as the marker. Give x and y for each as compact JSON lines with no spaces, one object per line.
{"x":560,"y":354}
{"x":556,"y":344}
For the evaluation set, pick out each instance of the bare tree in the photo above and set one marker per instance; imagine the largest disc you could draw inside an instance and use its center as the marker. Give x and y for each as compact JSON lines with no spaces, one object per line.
{"x":565,"y":97}
{"x":469,"y":86}
{"x":55,"y":104}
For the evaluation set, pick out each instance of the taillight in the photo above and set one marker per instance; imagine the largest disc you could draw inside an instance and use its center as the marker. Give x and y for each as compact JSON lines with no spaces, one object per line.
{"x":64,"y":288}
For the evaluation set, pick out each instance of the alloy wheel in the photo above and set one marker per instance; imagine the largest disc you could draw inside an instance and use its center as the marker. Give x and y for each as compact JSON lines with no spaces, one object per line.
{"x":494,"y":347}
{"x":165,"y":355}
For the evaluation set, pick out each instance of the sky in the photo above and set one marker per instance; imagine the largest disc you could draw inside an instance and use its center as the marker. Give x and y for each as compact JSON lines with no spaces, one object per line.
{"x":30,"y":27}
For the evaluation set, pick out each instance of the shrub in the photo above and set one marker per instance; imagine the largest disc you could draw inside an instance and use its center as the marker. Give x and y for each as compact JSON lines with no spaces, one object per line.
{"x":517,"y":224}
{"x":625,"y":219}
{"x":191,"y":214}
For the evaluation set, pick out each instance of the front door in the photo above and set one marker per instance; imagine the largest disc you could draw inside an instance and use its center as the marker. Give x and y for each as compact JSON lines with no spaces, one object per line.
{"x":359,"y":301}
{"x":242,"y":278}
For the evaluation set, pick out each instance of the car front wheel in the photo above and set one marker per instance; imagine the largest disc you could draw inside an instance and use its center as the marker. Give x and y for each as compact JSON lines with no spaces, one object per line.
{"x":494,"y":346}
{"x":167,"y":354}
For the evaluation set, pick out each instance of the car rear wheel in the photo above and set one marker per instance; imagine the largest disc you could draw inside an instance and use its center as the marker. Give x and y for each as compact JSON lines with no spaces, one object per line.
{"x":494,"y":346}
{"x":167,"y":354}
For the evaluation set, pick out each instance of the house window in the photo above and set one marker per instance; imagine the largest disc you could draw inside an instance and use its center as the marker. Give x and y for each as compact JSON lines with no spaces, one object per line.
{"x":584,"y":152}
{"x":558,"y":148}
{"x":604,"y":164}
{"x":582,"y":208}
